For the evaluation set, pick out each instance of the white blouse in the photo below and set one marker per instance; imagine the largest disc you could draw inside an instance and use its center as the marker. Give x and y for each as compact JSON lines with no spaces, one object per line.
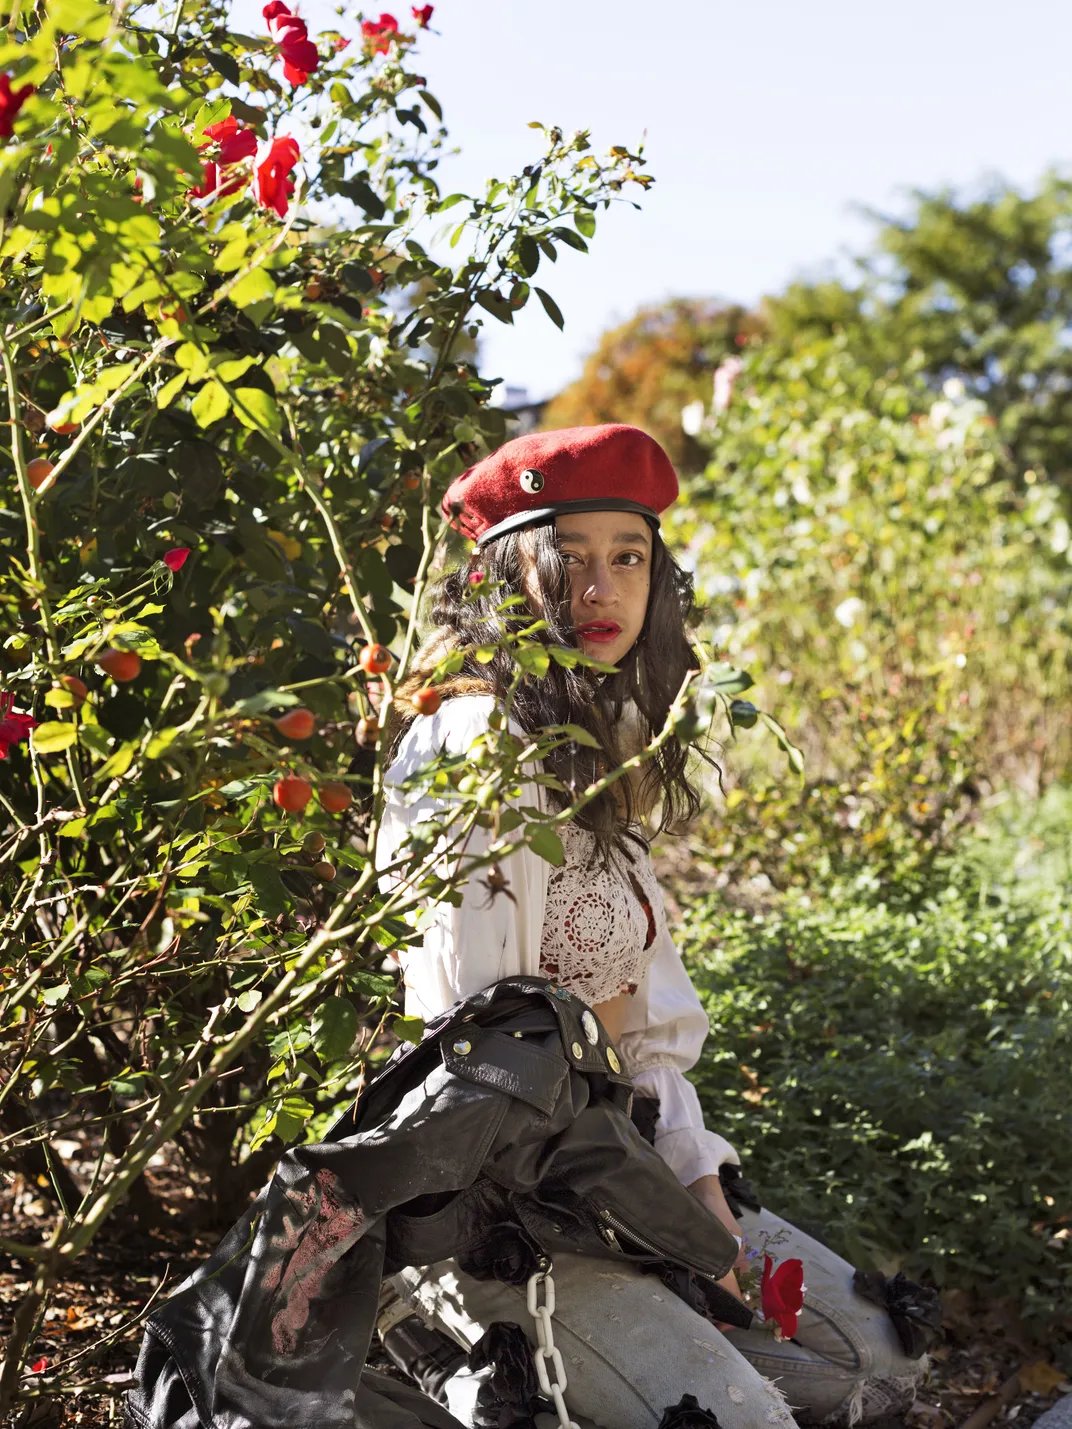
{"x":491,"y":935}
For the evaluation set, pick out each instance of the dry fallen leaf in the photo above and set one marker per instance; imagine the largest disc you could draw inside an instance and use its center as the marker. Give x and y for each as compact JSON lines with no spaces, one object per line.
{"x":1040,"y":1378}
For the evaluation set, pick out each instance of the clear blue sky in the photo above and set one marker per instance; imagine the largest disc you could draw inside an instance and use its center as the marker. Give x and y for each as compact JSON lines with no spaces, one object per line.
{"x":767,"y":123}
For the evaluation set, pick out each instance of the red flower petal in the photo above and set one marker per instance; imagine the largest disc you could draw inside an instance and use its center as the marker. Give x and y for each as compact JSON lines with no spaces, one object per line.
{"x":782,"y":1294}
{"x":38,"y":1366}
{"x":379,"y":33}
{"x":175,"y":559}
{"x":423,"y":14}
{"x":11,"y":101}
{"x":274,"y":186}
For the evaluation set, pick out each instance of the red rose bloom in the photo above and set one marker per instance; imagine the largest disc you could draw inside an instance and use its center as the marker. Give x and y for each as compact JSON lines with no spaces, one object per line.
{"x":274,"y":185}
{"x":378,"y":34}
{"x":782,"y":1294}
{"x":13,"y":727}
{"x":11,"y":101}
{"x":423,"y":14}
{"x":235,"y":144}
{"x":290,"y":33}
{"x":175,"y":559}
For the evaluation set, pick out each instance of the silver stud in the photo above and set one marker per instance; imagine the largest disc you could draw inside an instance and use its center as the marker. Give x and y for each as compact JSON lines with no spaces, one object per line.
{"x":590,"y":1026}
{"x":577,"y":1050}
{"x":612,"y":1060}
{"x":519,"y":1034}
{"x":531,"y":481}
{"x":463,"y":1047}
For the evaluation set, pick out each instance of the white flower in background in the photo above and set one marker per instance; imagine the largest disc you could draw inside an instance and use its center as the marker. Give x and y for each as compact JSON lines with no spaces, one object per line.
{"x":692,"y":418}
{"x":725,"y":376}
{"x":849,"y":611}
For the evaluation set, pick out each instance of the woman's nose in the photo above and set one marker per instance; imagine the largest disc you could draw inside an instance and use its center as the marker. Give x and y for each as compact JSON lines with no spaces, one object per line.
{"x":599,"y":587}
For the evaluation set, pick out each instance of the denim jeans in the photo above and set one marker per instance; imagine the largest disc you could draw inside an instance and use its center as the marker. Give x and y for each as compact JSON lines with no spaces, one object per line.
{"x":632,"y":1348}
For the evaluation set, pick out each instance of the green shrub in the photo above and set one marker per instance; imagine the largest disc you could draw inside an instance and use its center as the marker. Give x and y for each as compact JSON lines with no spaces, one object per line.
{"x":900,"y":1082}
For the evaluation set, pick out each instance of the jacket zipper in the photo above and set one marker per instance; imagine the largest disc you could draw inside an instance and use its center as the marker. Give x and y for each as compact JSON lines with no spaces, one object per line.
{"x":613,"y":1225}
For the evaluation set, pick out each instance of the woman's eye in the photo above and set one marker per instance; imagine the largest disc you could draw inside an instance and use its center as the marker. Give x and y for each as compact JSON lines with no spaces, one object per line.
{"x":632,"y":558}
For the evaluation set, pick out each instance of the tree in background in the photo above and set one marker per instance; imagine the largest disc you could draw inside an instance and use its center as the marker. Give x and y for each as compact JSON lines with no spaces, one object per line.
{"x":652,"y":367}
{"x":858,"y":539}
{"x":978,"y":289}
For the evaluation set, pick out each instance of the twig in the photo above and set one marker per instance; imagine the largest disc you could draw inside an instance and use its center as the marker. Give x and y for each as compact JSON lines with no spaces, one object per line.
{"x":992,"y":1407}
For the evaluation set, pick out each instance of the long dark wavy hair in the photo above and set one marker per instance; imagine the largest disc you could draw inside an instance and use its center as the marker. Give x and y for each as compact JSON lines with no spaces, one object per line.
{"x":650,"y":675}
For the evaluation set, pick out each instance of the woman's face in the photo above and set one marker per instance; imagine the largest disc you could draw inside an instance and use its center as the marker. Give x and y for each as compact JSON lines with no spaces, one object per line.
{"x":607,"y":555}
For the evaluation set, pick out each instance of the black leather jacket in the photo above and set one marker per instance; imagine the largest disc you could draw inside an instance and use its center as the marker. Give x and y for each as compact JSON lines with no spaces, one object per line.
{"x":504,"y":1135}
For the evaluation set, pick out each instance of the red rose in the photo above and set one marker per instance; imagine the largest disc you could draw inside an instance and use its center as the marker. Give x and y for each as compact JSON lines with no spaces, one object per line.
{"x":423,"y":14}
{"x":782,"y":1294}
{"x":274,"y":186}
{"x":39,"y":1366}
{"x":235,"y":144}
{"x":175,"y":559}
{"x":290,"y":33}
{"x":11,"y":101}
{"x":13,"y":727}
{"x":378,"y":34}
{"x":299,"y":53}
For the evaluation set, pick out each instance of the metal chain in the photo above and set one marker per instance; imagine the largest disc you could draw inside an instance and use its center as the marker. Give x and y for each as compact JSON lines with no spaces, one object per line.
{"x":545,"y":1343}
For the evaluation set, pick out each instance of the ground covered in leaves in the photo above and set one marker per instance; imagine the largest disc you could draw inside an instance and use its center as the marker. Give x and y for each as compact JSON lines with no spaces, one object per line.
{"x":92,"y":1328}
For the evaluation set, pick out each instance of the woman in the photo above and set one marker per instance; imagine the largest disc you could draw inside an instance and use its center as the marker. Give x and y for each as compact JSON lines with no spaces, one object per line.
{"x":570,"y":521}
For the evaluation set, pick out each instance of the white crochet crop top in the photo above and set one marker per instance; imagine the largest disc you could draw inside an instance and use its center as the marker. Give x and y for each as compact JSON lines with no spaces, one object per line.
{"x":601,"y":924}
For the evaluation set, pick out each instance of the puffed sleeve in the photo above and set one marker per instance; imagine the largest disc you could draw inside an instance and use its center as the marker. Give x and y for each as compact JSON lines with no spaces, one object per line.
{"x":664,"y":1033}
{"x":489,"y":936}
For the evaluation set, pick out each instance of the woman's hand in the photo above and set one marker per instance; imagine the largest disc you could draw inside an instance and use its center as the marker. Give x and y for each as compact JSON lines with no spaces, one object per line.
{"x":708,"y":1190}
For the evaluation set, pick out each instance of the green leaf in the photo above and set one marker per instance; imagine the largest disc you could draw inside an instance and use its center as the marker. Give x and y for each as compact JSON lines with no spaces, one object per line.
{"x":546,"y":843}
{"x":255,"y":408}
{"x":249,"y":999}
{"x":265,"y":700}
{"x":743,"y":713}
{"x":254,"y":287}
{"x":726,"y":680}
{"x":73,"y":828}
{"x":794,"y":755}
{"x":53,"y":995}
{"x":334,"y":1028}
{"x":270,"y":895}
{"x":409,"y":1029}
{"x":53,"y":737}
{"x":432,"y":103}
{"x":224,"y":64}
{"x":119,"y":763}
{"x":551,"y":308}
{"x":160,"y":741}
{"x":233,"y":368}
{"x":584,"y":220}
{"x":536,"y":659}
{"x":170,"y":390}
{"x":528,"y":253}
{"x":580,"y":736}
{"x":210,"y":404}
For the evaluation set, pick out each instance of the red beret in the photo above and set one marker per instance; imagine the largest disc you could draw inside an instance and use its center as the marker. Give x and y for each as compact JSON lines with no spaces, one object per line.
{"x":608,"y":468}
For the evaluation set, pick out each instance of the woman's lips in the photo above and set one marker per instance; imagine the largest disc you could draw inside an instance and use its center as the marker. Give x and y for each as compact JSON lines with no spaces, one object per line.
{"x":600,"y":632}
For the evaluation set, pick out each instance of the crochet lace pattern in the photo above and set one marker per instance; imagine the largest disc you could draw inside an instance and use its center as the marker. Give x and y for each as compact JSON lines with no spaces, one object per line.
{"x":600,"y":923}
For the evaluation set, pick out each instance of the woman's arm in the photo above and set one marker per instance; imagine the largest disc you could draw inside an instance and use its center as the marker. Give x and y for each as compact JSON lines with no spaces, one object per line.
{"x":664,"y":1033}
{"x":492,"y":932}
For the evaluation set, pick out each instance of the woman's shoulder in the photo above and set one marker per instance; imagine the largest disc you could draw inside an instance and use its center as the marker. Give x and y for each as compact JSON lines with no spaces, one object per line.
{"x":453,"y":727}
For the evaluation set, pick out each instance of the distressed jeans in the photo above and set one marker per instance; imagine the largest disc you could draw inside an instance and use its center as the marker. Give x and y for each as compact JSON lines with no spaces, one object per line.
{"x":632,"y":1348}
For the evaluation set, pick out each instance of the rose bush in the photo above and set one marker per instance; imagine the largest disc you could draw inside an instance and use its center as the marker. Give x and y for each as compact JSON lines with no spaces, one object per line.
{"x":237,"y":372}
